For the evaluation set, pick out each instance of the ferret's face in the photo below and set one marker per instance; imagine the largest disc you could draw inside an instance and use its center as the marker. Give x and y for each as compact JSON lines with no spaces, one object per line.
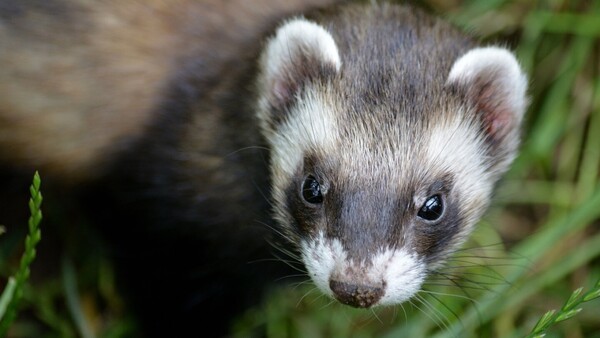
{"x":372,"y":203}
{"x":375,"y":191}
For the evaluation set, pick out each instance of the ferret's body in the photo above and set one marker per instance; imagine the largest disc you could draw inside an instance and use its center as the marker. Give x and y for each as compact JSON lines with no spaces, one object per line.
{"x":378,"y":131}
{"x":83,"y":80}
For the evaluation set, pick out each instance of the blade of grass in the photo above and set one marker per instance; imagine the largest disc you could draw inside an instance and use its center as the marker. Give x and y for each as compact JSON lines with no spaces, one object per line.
{"x":590,"y":164}
{"x":72,"y":296}
{"x":7,"y":295}
{"x":31,"y":240}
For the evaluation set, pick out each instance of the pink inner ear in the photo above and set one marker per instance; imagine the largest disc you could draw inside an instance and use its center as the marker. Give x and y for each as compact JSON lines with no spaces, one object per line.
{"x":498,"y":117}
{"x":493,"y":82}
{"x":497,"y":125}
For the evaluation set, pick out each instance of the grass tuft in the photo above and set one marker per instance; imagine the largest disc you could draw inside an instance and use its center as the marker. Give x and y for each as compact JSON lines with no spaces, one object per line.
{"x":13,"y":292}
{"x":569,"y":310}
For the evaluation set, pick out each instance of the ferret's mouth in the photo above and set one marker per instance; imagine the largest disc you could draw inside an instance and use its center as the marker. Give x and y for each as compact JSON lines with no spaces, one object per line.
{"x":390,"y":277}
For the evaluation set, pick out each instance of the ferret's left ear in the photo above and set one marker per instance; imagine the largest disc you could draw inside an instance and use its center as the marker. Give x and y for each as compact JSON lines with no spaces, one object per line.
{"x":493,"y":83}
{"x":301,"y":52}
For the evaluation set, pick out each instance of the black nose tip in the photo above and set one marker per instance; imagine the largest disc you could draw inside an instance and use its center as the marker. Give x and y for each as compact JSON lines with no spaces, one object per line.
{"x":362,"y":296}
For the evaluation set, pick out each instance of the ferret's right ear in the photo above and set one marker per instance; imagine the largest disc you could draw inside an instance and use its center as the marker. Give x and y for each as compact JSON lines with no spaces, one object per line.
{"x":493,"y":84}
{"x":492,"y":81}
{"x":300,"y":52}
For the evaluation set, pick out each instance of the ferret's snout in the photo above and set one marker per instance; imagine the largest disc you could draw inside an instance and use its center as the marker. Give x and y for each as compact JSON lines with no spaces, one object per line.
{"x":356,"y":295}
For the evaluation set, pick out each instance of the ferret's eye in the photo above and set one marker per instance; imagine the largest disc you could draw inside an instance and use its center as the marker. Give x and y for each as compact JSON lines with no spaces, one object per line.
{"x":432,"y":209}
{"x":311,"y":190}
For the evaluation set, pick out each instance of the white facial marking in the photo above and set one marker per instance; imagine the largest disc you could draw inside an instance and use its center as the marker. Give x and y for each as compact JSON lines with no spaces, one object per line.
{"x":321,"y":257}
{"x":456,"y":147}
{"x":311,"y":125}
{"x":401,"y":272}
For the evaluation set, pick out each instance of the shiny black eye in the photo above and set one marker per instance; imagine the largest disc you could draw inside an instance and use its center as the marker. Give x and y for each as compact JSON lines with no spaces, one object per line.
{"x":311,"y":190}
{"x":432,"y":209}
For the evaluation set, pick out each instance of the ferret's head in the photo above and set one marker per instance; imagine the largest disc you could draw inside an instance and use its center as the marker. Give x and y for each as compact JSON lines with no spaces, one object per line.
{"x":386,"y":144}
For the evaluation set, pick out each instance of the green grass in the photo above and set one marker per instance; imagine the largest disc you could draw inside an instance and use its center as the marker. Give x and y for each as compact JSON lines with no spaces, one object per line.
{"x":537,"y":247}
{"x":567,"y":311}
{"x":13,"y":291}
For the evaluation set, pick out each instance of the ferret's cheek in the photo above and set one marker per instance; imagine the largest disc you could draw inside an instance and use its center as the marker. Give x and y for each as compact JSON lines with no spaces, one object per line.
{"x":307,"y":224}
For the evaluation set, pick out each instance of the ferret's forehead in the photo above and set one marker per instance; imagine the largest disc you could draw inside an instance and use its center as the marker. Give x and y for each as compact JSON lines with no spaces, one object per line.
{"x":394,"y":141}
{"x":375,"y":151}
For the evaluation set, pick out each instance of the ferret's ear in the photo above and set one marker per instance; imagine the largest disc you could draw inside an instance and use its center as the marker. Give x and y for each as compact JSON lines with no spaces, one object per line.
{"x":492,"y":81}
{"x":300,"y":52}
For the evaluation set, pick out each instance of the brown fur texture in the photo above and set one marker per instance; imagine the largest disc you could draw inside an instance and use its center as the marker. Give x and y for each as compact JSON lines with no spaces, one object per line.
{"x":80,"y":81}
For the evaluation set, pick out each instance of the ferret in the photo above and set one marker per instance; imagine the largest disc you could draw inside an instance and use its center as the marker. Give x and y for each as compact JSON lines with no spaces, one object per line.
{"x":387,"y":131}
{"x":367,"y":138}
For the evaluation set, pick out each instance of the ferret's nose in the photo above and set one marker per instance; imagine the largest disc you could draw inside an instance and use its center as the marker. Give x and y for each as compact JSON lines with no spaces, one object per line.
{"x":363,"y":296}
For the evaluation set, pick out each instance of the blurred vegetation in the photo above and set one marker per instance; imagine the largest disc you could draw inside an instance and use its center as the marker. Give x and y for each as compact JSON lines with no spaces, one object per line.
{"x":536,"y":247}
